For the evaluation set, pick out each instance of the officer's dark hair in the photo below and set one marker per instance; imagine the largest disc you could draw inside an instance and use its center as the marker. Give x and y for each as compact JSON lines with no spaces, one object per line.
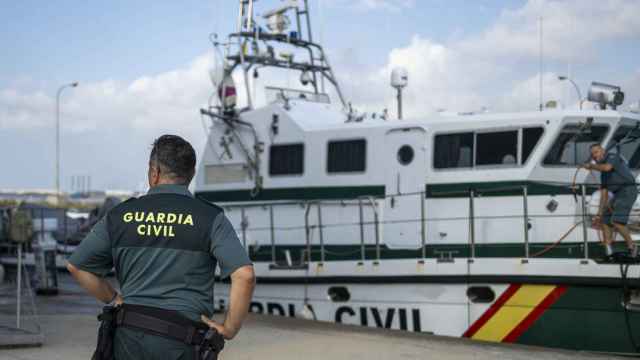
{"x":175,"y":158}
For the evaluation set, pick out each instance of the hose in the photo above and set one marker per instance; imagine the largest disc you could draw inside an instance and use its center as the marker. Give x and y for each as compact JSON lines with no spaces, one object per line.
{"x":550,"y":247}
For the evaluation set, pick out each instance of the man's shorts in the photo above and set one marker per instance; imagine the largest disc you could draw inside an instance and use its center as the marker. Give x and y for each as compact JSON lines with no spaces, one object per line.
{"x":619,"y":208}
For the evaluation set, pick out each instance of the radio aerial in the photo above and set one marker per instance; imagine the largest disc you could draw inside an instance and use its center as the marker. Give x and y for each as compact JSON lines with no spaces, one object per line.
{"x":399,"y":80}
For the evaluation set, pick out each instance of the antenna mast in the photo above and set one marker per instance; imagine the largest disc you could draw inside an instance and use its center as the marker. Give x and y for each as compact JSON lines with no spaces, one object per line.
{"x":258,"y":45}
{"x":540,"y":76}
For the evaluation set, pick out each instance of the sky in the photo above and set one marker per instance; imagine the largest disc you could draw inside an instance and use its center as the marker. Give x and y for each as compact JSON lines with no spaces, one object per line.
{"x":143,"y":69}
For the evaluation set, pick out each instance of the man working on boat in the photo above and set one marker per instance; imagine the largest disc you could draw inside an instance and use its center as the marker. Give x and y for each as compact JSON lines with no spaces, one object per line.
{"x":165,"y":247}
{"x":615,"y":177}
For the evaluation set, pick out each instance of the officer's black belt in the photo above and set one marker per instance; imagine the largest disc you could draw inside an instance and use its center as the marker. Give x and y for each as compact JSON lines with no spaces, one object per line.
{"x":161,"y":322}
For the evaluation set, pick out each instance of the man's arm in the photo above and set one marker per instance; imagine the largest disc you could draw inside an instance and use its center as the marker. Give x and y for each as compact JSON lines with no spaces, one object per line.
{"x":606,"y":167}
{"x":91,"y":260}
{"x":98,"y":287}
{"x":233,"y":261}
{"x":242,"y":285}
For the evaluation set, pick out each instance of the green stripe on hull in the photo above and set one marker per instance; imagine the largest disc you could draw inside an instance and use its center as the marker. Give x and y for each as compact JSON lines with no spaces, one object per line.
{"x":450,"y":190}
{"x":497,"y":188}
{"x":353,"y":252}
{"x":585,"y":318}
{"x":298,"y":193}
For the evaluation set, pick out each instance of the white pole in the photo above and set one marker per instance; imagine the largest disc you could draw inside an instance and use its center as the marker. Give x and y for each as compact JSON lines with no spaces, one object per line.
{"x":19,"y":281}
{"x":58,"y":93}
{"x":58,"y":145}
{"x":540,"y":78}
{"x":566,"y":86}
{"x":321,"y":12}
{"x":399,"y":103}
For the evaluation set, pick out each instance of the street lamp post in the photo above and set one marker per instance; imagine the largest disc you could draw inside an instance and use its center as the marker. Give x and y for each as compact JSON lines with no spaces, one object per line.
{"x":73,"y":84}
{"x":562,"y":78}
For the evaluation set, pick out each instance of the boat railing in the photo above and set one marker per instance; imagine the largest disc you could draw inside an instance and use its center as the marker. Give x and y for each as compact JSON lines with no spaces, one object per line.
{"x":315,"y":227}
{"x":284,"y":94}
{"x":370,"y":244}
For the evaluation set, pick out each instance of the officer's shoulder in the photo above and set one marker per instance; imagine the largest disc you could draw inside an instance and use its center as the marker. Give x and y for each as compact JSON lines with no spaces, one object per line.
{"x":209,"y":204}
{"x":108,"y":211}
{"x":123,"y":204}
{"x":128,"y":201}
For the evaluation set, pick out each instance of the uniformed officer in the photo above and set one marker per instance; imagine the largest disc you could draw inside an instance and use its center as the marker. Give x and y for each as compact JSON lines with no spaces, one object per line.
{"x":616,"y":177}
{"x":165,"y":246}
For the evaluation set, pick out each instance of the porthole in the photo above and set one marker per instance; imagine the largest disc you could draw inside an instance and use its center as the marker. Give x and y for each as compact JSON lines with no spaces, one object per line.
{"x":339,"y":294}
{"x":405,"y":155}
{"x":481,"y":294}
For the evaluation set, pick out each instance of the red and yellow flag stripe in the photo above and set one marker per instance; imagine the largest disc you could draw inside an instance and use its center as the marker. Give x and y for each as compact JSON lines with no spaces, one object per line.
{"x":514,"y":312}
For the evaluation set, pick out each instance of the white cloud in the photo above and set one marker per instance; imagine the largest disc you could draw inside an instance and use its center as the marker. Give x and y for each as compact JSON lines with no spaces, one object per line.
{"x":631,"y":87}
{"x":498,"y":67}
{"x":571,"y":29}
{"x":495,"y":68}
{"x":166,"y":100}
{"x":463,"y":75}
{"x":525,"y":94}
{"x":367,"y":5}
{"x":20,"y":110}
{"x":107,"y":124}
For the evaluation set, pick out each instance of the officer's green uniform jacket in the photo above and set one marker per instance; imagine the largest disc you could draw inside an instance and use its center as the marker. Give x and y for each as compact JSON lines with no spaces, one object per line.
{"x":164,"y":247}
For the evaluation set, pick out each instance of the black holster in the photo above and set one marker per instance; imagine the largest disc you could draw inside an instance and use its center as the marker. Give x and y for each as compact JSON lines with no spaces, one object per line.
{"x":159,"y":322}
{"x":210,"y":346}
{"x":106,"y":332}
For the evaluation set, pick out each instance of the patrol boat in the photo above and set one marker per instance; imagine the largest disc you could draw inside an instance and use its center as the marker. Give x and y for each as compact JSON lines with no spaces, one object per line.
{"x":467,"y":225}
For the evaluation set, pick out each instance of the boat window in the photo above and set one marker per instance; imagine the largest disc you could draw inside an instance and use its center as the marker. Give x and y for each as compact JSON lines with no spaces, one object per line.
{"x":346,"y":156}
{"x":453,"y":150}
{"x":572,"y":145}
{"x":405,"y":155}
{"x":530,"y":138}
{"x":286,"y":159}
{"x":628,"y":138}
{"x":497,"y":148}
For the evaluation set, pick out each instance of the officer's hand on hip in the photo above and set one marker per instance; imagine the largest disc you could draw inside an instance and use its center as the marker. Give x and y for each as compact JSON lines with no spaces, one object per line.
{"x":226,"y":334}
{"x":119,"y":300}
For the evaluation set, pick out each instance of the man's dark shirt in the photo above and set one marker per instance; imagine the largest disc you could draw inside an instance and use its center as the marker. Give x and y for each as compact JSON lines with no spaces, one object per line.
{"x":619,"y":177}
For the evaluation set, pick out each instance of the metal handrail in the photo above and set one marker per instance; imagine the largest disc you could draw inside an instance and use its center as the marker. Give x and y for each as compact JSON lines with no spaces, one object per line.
{"x":262,"y":204}
{"x":361,"y":221}
{"x":417,"y":220}
{"x":423,"y":227}
{"x":307,"y":231}
{"x":371,"y":201}
{"x":585,"y":236}
{"x":374,"y":207}
{"x":318,"y":204}
{"x":273,"y":235}
{"x":244,"y":225}
{"x":472,"y":225}
{"x":525,"y":214}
